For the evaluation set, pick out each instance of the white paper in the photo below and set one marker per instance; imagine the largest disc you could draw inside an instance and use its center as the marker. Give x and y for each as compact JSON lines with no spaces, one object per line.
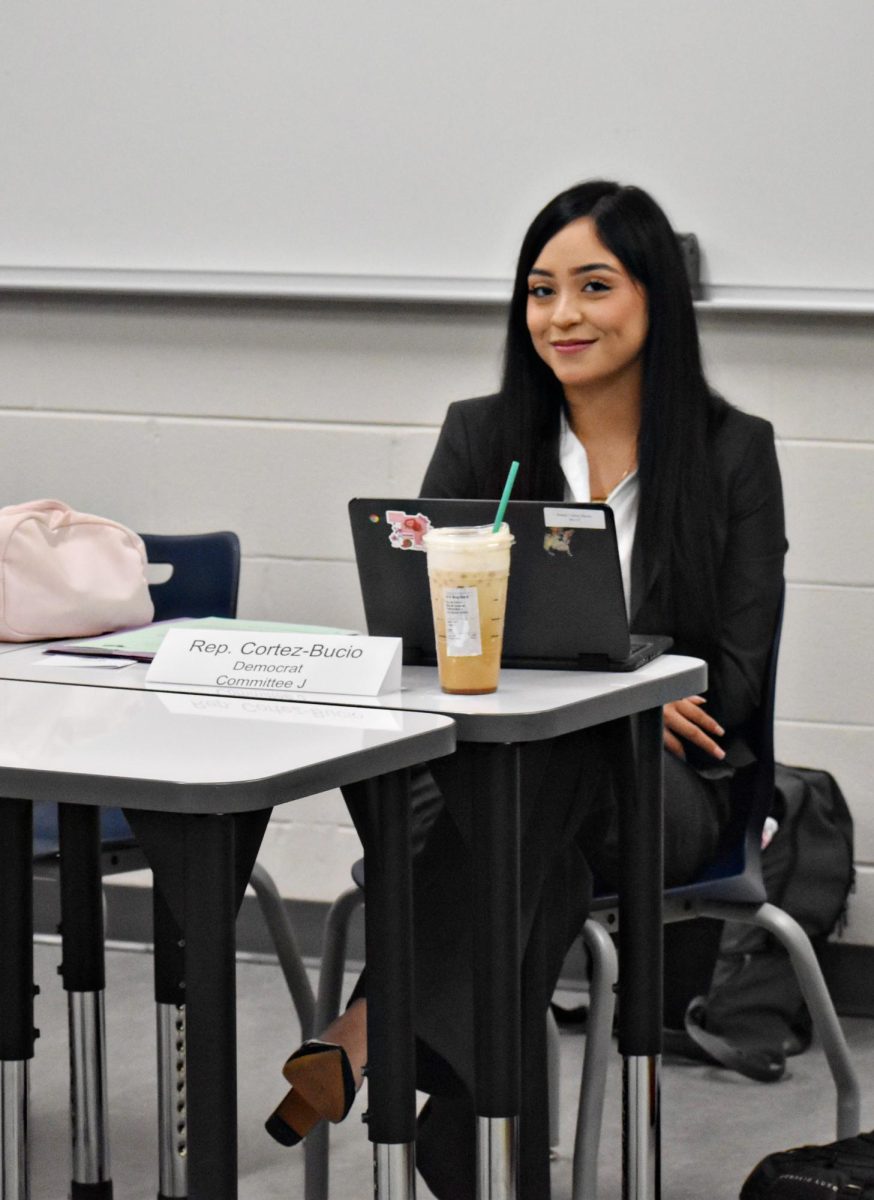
{"x":84,"y":660}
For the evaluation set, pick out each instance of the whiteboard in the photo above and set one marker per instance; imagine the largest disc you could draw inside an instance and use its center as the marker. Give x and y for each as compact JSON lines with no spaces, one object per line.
{"x":417,"y":139}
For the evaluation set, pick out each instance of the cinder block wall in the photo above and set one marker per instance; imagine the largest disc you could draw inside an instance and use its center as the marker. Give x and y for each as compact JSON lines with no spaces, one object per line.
{"x":265,"y":418}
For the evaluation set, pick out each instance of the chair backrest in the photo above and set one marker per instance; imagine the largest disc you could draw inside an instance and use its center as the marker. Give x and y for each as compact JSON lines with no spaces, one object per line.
{"x":736,"y":872}
{"x":205,"y":574}
{"x":204,"y":582}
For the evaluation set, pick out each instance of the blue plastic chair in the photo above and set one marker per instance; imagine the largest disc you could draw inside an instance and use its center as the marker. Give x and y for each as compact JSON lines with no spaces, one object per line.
{"x":203,"y":582}
{"x":201,"y":579}
{"x":730,"y":888}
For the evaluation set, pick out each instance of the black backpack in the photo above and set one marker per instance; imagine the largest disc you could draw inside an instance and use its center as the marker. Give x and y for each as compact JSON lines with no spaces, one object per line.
{"x":838,"y":1171}
{"x":753,"y":1013}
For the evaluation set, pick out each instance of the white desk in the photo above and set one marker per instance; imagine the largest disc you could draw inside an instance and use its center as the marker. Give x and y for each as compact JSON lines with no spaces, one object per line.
{"x":527,"y":706}
{"x":530,"y":706}
{"x":197,"y":780}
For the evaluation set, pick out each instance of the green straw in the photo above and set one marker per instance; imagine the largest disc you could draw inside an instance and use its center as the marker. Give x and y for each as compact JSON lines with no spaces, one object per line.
{"x":505,"y":498}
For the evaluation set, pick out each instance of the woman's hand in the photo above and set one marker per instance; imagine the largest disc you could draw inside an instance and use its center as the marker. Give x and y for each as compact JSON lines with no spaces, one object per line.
{"x":687,"y":719}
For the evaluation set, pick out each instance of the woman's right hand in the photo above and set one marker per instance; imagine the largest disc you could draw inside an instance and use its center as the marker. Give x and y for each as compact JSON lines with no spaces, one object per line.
{"x":687,"y":719}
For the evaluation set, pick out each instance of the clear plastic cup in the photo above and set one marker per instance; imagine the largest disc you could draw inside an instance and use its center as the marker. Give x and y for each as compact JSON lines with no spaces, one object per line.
{"x":468,"y":569}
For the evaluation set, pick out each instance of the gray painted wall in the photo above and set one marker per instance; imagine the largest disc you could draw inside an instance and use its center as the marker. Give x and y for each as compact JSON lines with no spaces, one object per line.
{"x":266,"y":418}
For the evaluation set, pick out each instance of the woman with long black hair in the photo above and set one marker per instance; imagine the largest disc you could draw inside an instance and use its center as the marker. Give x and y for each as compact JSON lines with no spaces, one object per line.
{"x":604,"y":398}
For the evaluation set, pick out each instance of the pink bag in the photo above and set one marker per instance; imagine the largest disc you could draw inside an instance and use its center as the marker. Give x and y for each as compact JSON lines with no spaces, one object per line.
{"x":68,"y":574}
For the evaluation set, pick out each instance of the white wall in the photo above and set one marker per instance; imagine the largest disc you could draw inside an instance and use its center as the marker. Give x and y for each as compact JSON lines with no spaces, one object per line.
{"x":393,"y":138}
{"x":267,"y":418}
{"x":814,"y":378}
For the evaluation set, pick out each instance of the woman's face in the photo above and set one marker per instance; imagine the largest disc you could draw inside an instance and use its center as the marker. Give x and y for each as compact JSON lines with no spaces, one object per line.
{"x":587,"y":317}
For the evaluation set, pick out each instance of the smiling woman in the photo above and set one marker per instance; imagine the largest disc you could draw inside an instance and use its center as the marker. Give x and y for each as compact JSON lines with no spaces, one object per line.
{"x":603,"y":395}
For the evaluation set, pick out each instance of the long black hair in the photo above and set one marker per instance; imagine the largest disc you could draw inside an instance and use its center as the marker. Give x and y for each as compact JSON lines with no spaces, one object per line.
{"x":677,"y":501}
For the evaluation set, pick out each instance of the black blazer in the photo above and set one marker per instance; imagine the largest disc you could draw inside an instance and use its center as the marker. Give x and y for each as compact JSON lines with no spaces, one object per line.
{"x":749,"y":531}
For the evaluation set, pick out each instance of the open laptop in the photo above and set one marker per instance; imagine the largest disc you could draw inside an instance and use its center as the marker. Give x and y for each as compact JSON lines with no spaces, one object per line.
{"x":565,"y":603}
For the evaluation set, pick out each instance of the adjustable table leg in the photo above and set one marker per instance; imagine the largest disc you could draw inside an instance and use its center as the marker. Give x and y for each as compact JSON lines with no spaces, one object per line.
{"x":16,"y":994}
{"x":84,"y":979}
{"x":210,"y":976}
{"x":391,"y":1081}
{"x":14,"y":1100}
{"x":494,"y":781}
{"x":640,"y":952}
{"x":172,"y":1070}
{"x":201,"y":864}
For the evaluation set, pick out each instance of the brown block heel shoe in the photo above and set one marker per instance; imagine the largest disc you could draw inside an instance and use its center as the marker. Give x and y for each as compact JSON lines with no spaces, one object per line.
{"x":322,"y":1086}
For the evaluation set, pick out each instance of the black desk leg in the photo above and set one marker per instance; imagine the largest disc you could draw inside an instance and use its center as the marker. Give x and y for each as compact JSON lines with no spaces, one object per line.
{"x":493,"y":784}
{"x":84,"y":978}
{"x":16,"y":994}
{"x":640,"y":952}
{"x":210,"y":976}
{"x":380,"y":807}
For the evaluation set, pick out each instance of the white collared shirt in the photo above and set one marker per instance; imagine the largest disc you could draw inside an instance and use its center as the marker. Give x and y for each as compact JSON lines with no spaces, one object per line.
{"x":623,"y":499}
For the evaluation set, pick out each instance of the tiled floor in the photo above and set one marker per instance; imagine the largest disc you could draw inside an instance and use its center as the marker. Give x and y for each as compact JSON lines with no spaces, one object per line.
{"x":716,"y":1124}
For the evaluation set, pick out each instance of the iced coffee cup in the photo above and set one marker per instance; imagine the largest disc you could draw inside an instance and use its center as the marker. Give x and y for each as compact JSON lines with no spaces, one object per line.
{"x":468,"y":568}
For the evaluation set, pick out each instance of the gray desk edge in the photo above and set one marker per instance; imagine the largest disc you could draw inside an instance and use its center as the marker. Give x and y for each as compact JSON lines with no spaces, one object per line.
{"x":234,"y":796}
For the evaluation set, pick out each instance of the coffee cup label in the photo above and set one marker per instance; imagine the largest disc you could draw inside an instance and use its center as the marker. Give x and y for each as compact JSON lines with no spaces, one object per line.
{"x":461,"y":612}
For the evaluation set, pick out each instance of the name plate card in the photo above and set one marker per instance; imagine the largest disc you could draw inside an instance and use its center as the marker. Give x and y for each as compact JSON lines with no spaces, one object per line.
{"x":286,"y":664}
{"x":574,"y":518}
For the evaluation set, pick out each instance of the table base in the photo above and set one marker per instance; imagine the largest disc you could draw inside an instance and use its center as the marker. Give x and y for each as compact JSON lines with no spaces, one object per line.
{"x":14,"y":1095}
{"x":172,"y":1102}
{"x":641,"y":1127}
{"x":496,"y":1157}
{"x":88,"y":1110}
{"x":394,"y":1170}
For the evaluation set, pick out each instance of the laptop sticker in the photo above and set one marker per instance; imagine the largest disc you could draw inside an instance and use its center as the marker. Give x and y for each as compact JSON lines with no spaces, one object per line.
{"x":407,"y":530}
{"x":558,"y":541}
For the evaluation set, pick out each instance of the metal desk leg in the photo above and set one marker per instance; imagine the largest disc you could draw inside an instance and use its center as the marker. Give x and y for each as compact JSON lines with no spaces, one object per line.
{"x":84,"y":978}
{"x":494,"y":784}
{"x":14,"y":1103}
{"x":201,"y":864}
{"x":391,"y":1073}
{"x":172,"y":1073}
{"x":640,"y":952}
{"x":172,"y":1102}
{"x":16,"y":994}
{"x":210,"y":977}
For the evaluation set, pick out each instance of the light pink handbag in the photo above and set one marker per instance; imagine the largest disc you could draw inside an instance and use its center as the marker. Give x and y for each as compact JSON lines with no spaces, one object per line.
{"x":68,"y":574}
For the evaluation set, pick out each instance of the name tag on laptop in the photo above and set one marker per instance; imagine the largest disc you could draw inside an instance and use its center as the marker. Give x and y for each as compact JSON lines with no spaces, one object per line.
{"x":278,"y":664}
{"x":574,"y":518}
